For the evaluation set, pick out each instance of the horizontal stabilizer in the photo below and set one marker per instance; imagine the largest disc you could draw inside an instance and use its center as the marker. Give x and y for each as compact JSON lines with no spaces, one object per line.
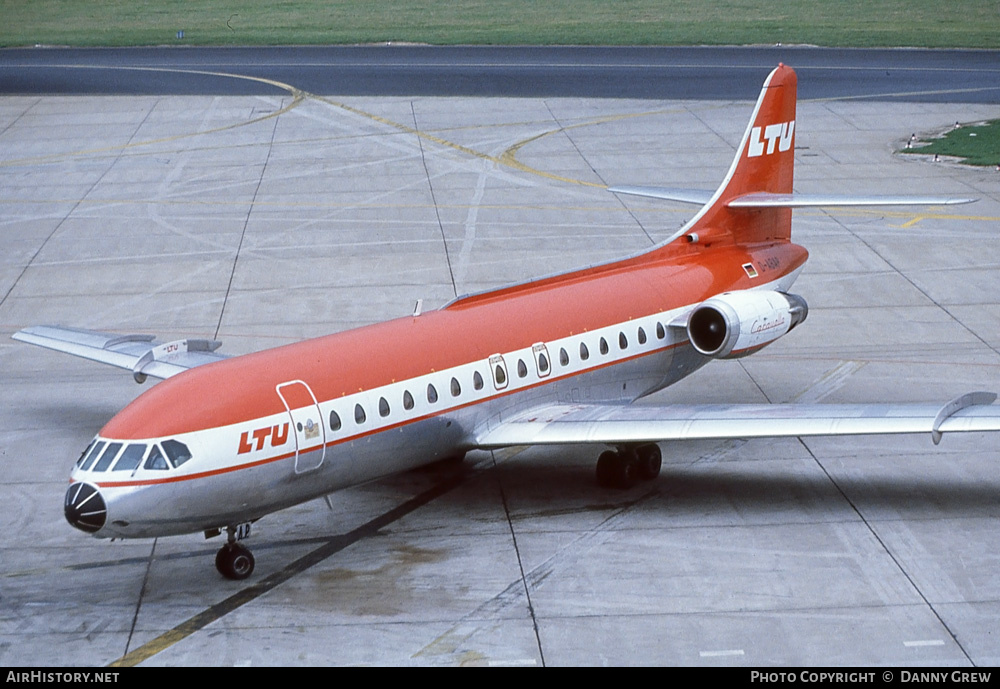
{"x":698,"y":196}
{"x":562,"y":424}
{"x":794,"y":200}
{"x":765,"y":200}
{"x":141,"y":354}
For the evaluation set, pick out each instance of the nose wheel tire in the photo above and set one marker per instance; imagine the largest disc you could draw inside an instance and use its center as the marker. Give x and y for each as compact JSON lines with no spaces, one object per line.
{"x":234,"y":561}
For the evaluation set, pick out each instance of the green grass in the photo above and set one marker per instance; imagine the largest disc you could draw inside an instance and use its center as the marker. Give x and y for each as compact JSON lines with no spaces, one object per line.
{"x":861,"y":23}
{"x":978,"y":144}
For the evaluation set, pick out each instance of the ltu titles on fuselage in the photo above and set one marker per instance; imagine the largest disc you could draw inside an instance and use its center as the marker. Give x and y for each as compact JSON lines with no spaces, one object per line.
{"x":278,"y":435}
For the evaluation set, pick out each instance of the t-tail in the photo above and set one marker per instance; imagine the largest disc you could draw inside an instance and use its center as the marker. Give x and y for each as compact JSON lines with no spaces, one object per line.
{"x":755,"y":200}
{"x":764,"y":164}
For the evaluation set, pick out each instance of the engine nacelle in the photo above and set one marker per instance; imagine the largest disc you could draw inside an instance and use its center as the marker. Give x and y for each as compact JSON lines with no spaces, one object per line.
{"x":736,"y":324}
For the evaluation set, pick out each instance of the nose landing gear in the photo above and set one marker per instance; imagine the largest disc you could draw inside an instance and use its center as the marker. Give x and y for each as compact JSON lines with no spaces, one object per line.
{"x":234,"y":560}
{"x":624,"y":467}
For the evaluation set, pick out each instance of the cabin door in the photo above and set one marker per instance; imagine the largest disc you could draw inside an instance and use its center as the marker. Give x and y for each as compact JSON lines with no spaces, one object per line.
{"x":307,"y":425}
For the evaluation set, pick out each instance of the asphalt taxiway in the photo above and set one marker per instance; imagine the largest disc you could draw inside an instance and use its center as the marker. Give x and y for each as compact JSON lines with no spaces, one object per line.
{"x":648,"y":72}
{"x":263,"y":219}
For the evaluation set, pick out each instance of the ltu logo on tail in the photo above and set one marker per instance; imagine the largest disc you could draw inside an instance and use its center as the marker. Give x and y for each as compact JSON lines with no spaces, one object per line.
{"x":780,"y":134}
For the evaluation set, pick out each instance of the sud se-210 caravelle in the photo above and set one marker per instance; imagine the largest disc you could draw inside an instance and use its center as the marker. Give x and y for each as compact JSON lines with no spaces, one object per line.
{"x":221,"y":442}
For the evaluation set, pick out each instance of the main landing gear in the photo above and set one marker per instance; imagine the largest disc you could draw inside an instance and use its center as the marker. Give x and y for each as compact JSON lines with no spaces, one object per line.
{"x":623,"y":467}
{"x":234,"y":560}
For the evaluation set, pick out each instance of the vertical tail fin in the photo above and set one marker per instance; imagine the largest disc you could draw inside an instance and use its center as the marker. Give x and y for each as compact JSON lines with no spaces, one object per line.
{"x":753,"y":203}
{"x":764,"y":162}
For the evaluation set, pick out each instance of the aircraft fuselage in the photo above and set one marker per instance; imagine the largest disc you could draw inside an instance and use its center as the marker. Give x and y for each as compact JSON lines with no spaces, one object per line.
{"x":276,"y":428}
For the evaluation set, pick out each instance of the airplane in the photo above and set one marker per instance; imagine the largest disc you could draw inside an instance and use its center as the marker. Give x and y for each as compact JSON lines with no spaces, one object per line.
{"x":223,"y":441}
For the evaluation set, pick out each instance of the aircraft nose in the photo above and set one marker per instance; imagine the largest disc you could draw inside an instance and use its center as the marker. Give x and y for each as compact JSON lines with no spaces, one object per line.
{"x":85,"y":507}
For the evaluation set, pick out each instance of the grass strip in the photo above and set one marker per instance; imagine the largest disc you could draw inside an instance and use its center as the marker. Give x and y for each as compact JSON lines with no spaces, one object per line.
{"x":858,"y":23}
{"x":977,"y":144}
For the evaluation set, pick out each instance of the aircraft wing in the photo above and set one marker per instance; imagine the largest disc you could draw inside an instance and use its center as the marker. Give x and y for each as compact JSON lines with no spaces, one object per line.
{"x":141,"y":354}
{"x":561,"y":424}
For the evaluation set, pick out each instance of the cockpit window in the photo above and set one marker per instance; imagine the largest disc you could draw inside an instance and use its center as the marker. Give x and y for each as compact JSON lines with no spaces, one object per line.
{"x":177,"y":452}
{"x":95,"y":449}
{"x":130,"y":458}
{"x":156,"y":460}
{"x":83,"y":454}
{"x":109,"y":454}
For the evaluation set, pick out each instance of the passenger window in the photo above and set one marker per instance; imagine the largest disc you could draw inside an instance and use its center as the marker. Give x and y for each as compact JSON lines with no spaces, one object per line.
{"x":130,"y":458}
{"x":94,"y":452}
{"x":543,"y":363}
{"x":477,"y":381}
{"x":642,"y":336}
{"x":622,"y":341}
{"x":359,"y":414}
{"x":501,"y":377}
{"x":522,"y":370}
{"x":432,"y":393}
{"x":383,"y":407}
{"x":563,"y":356}
{"x":456,"y":389}
{"x":177,"y":452}
{"x":604,"y":346}
{"x":660,"y":333}
{"x":109,"y":454}
{"x":334,"y":421}
{"x":584,"y":352}
{"x":407,"y":400}
{"x":156,"y":460}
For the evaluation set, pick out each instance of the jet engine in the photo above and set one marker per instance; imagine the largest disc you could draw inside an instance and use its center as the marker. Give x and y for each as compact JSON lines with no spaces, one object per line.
{"x":735,"y":324}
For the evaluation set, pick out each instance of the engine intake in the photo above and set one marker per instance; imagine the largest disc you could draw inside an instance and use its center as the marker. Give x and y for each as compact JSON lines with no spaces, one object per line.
{"x":736,"y":324}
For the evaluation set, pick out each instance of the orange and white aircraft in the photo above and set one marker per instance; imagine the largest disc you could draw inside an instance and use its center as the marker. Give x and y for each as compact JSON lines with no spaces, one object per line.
{"x":223,"y":441}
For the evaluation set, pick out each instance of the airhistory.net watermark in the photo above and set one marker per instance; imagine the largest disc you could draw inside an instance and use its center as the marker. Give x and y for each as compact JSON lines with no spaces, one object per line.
{"x":50,"y":677}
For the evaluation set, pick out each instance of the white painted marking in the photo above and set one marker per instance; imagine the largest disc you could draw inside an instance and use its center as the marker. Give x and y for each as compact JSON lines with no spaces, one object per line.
{"x":717,"y":654}
{"x":726,"y":449}
{"x":511,"y":663}
{"x":461,"y":268}
{"x":829,"y":383}
{"x":924,"y":642}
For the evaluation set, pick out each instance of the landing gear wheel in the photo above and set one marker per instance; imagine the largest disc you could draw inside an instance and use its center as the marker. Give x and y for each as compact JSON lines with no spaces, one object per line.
{"x":617,"y":469}
{"x":606,"y":464}
{"x":650,"y":459}
{"x":234,"y":561}
{"x":626,"y":470}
